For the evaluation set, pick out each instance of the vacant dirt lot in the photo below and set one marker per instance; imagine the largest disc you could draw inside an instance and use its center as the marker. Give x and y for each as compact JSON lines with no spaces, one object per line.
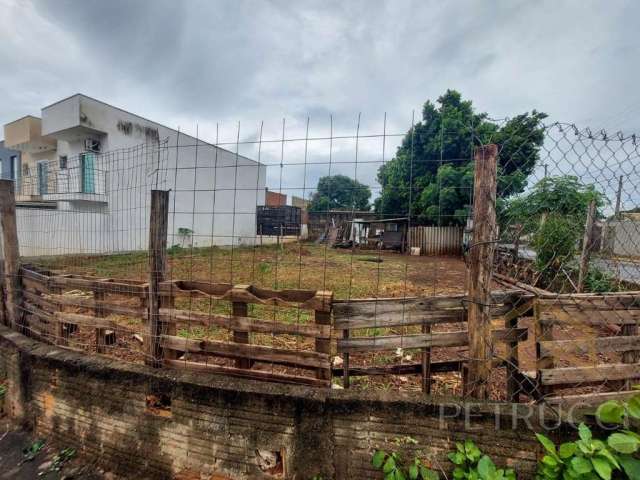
{"x":349,"y":274}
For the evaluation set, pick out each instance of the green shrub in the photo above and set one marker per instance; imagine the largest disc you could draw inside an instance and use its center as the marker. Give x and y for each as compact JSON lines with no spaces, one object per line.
{"x":471,"y":464}
{"x":592,"y":459}
{"x":555,"y":243}
{"x":597,"y":281}
{"x":393,"y":467}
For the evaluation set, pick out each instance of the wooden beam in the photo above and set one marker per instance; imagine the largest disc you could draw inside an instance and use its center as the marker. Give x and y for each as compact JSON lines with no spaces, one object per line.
{"x":480,"y":266}
{"x":323,"y":317}
{"x":590,"y":399}
{"x":586,"y":246}
{"x":392,"y":312}
{"x":422,"y":340}
{"x":591,"y":345}
{"x":158,"y":225}
{"x":584,"y":375}
{"x":244,"y":373}
{"x":11,"y":252}
{"x":442,"y":366}
{"x":244,"y":324}
{"x":297,"y":358}
{"x":241,"y":309}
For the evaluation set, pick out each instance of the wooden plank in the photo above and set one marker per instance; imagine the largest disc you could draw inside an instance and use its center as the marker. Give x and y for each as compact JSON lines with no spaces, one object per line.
{"x":241,"y":309}
{"x":11,"y":252}
{"x":443,"y":366}
{"x":591,"y":345}
{"x":297,"y":358}
{"x":120,"y":288}
{"x":292,"y":298}
{"x":323,"y":345}
{"x":106,"y":306}
{"x":397,"y":318}
{"x":586,"y":246}
{"x":98,"y":298}
{"x":444,"y":339}
{"x":564,"y":316}
{"x":586,"y":302}
{"x":543,"y":333}
{"x":245,"y":324}
{"x":40,"y":301}
{"x":590,"y":399}
{"x":426,"y":364}
{"x":86,"y":320}
{"x":158,"y":221}
{"x":582,"y":375}
{"x":480,"y":266}
{"x":346,"y":360}
{"x":244,"y":373}
{"x":390,"y":312}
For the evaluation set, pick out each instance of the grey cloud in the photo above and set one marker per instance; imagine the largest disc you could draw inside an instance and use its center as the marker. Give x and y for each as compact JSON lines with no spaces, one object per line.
{"x":219,"y":62}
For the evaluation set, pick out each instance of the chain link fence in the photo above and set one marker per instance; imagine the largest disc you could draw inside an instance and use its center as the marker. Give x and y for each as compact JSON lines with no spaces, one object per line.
{"x":539,"y":306}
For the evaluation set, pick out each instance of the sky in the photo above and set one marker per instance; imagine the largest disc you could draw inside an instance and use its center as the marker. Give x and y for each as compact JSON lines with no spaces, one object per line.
{"x":207,"y":66}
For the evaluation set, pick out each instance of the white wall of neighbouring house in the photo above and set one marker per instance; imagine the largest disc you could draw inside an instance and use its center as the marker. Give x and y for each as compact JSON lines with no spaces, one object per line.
{"x":213,"y":192}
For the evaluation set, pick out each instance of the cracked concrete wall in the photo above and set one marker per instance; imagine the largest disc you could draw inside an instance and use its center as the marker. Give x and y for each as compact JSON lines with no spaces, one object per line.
{"x":220,"y":427}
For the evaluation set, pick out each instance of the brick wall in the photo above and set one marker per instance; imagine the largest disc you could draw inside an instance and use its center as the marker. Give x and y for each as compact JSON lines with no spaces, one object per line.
{"x":227,"y":427}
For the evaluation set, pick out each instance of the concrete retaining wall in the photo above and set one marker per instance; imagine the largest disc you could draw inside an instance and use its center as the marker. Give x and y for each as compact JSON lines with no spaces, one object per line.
{"x":220,"y":427}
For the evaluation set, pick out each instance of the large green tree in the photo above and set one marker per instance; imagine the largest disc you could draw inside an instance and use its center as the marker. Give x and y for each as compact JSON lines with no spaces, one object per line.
{"x":339,"y":192}
{"x":431,"y":175}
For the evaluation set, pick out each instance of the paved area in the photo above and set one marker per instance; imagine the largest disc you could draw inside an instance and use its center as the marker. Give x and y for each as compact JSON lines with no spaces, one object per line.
{"x":16,"y":463}
{"x":625,"y":270}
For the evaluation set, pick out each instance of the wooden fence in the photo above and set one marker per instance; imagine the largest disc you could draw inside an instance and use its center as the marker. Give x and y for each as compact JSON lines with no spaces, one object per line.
{"x":359,"y":321}
{"x":436,"y":240}
{"x":585,"y":340}
{"x":51,"y":316}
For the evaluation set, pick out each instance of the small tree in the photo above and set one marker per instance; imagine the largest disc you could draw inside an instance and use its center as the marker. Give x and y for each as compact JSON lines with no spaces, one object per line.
{"x":340,"y":192}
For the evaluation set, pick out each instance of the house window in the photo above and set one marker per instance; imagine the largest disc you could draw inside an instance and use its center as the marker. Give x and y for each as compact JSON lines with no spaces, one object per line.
{"x":12,"y":167}
{"x":63,"y":162}
{"x":25,"y":170}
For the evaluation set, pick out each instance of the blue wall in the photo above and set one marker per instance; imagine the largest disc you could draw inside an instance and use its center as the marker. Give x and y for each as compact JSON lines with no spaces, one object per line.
{"x":5,"y":158}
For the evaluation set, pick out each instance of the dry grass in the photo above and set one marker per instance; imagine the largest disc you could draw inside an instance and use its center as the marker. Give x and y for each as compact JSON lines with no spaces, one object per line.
{"x":349,"y":274}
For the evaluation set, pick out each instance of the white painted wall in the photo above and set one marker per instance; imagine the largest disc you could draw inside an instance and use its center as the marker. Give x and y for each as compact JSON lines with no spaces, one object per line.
{"x":214,"y":192}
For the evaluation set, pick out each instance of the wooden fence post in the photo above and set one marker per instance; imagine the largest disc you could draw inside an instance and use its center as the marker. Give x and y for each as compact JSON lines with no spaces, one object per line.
{"x":158,"y":228}
{"x":241,"y":309}
{"x":586,"y":246}
{"x":11,"y":252}
{"x":323,"y":317}
{"x":480,"y":260}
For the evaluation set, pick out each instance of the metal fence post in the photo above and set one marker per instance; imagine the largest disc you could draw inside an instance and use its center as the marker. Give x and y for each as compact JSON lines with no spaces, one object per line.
{"x":11,"y":252}
{"x":481,"y":253}
{"x":158,"y":228}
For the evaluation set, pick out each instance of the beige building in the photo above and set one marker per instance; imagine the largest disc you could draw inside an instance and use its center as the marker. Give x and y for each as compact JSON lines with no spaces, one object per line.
{"x":25,"y":135}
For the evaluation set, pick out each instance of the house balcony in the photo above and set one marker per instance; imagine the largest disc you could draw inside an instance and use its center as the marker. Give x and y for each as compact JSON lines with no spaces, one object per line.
{"x":72,"y":120}
{"x":68,"y":185}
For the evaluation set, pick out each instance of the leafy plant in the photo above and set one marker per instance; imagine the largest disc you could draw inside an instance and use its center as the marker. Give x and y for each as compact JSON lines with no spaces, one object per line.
{"x":3,"y":390}
{"x":586,"y":458}
{"x":555,"y":243}
{"x":264,"y":267}
{"x":393,"y":467}
{"x":59,"y":460}
{"x":471,"y":464}
{"x":597,"y":281}
{"x":174,"y":249}
{"x":30,"y":452}
{"x":589,"y":458}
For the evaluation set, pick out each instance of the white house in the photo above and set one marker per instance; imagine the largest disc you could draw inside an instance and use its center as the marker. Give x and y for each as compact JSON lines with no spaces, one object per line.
{"x":87,"y":169}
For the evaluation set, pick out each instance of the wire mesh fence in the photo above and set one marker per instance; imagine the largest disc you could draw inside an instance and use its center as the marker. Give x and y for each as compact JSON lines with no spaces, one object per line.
{"x":366,"y":271}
